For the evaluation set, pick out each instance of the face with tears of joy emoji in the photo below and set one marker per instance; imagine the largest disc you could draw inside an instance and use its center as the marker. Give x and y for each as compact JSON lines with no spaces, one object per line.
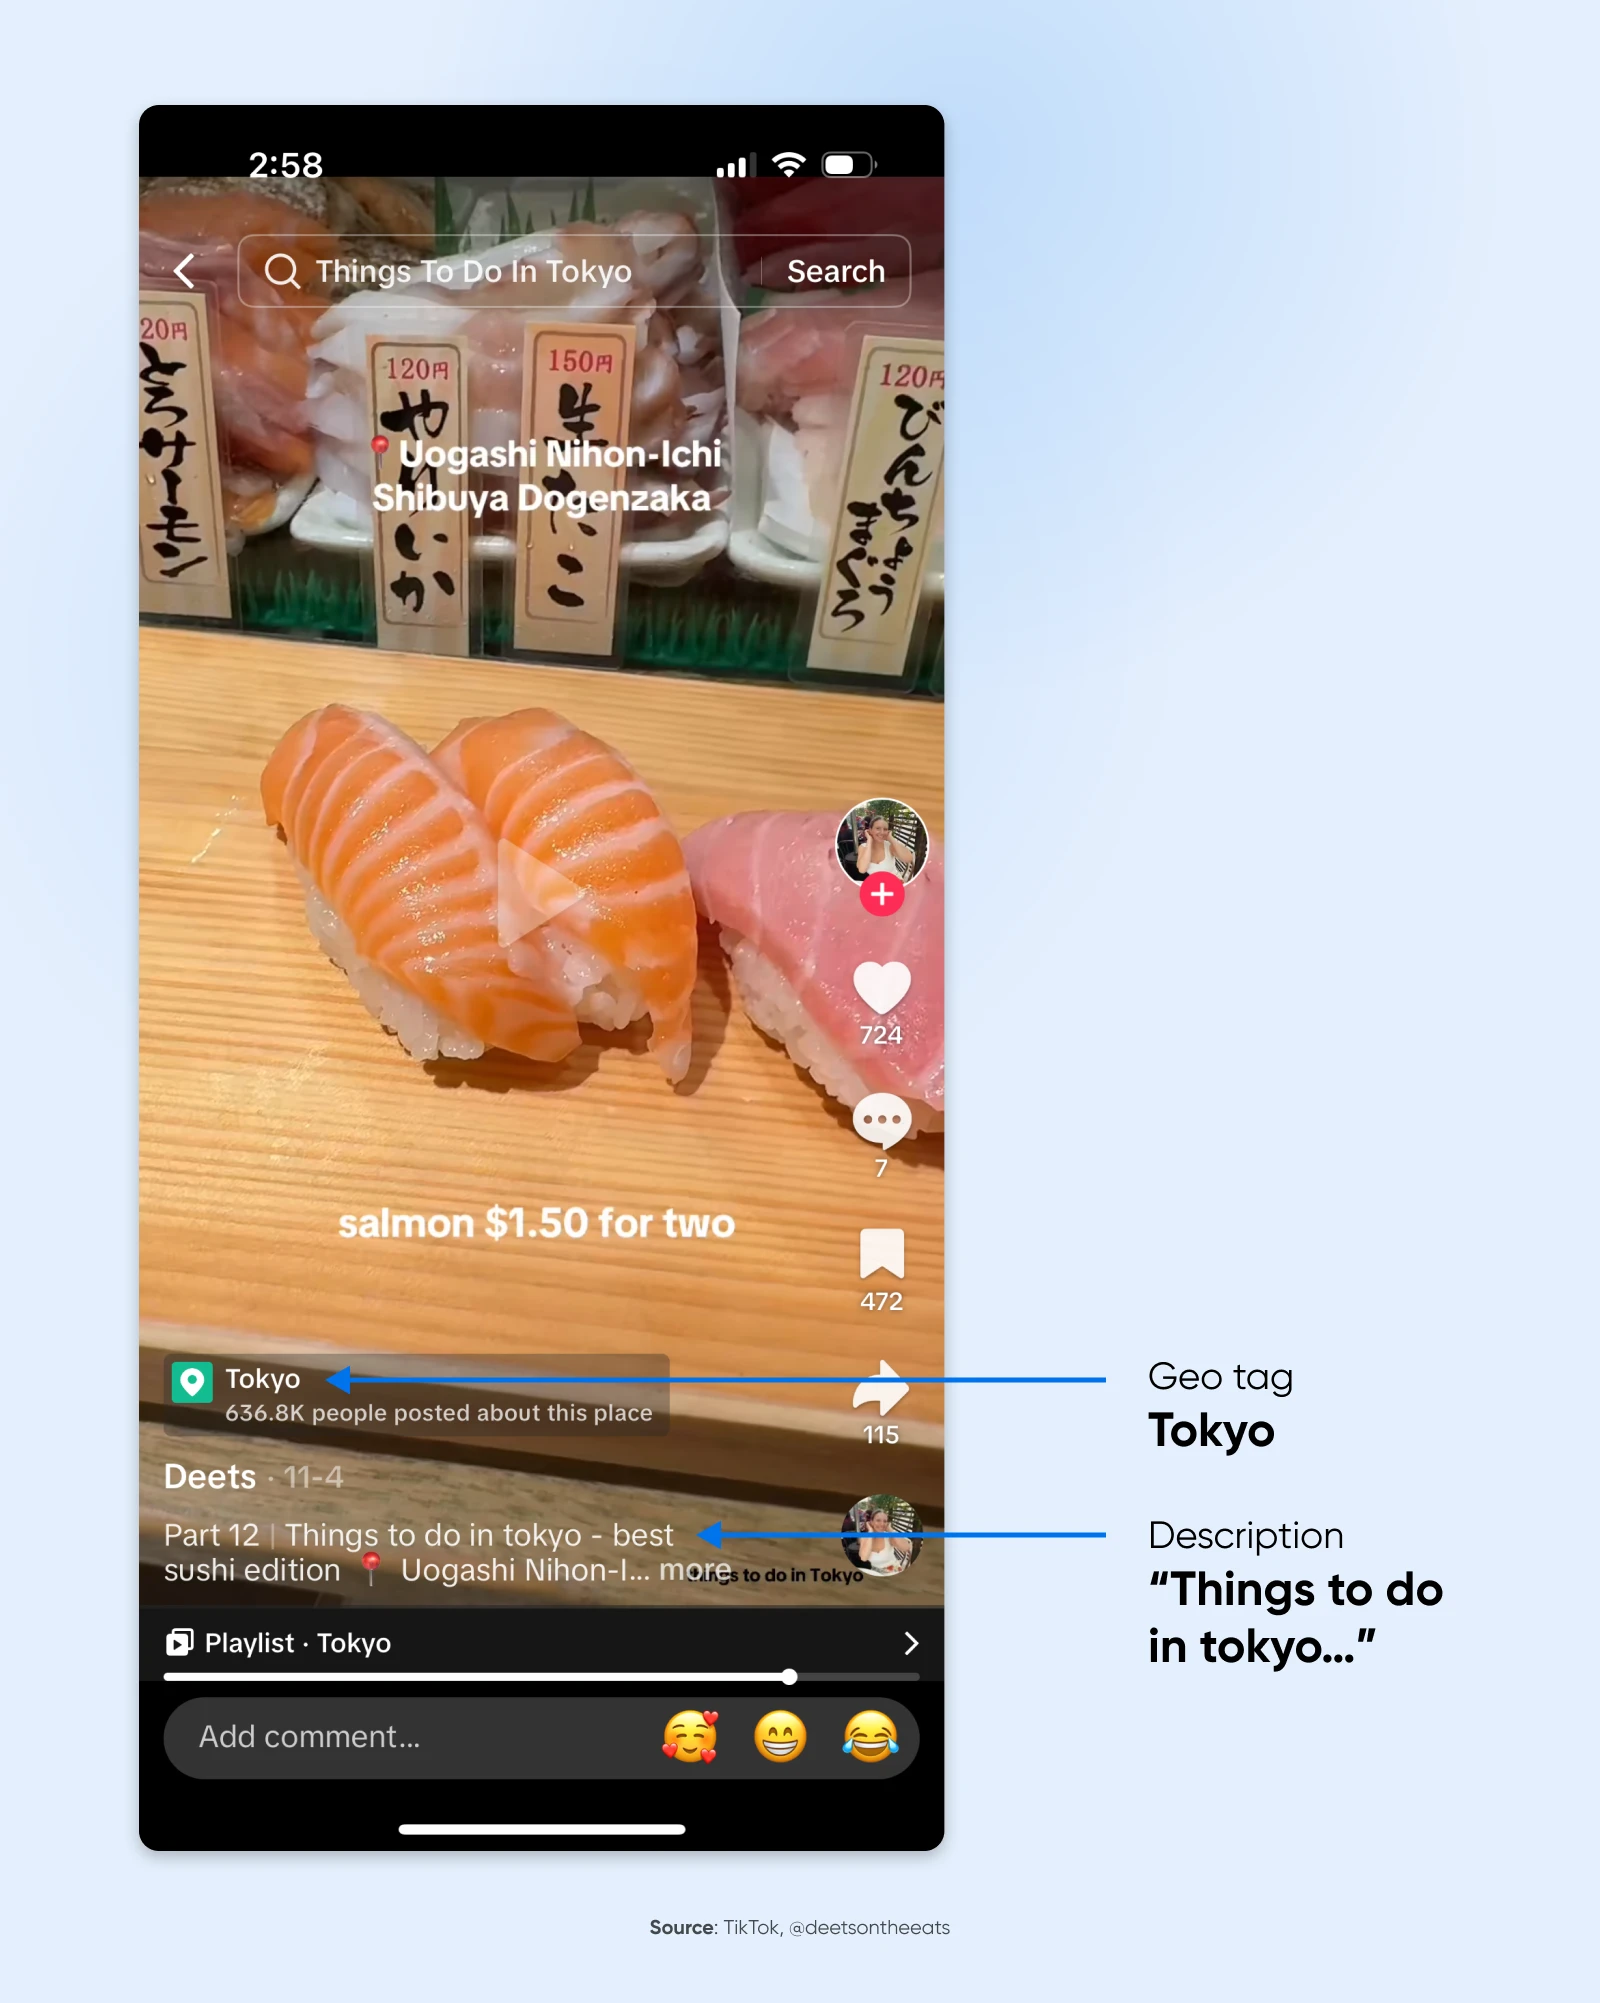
{"x":870,"y":1737}
{"x":691,"y":1738}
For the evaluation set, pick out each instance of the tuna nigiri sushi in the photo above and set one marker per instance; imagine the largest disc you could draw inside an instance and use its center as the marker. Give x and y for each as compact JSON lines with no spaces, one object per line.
{"x":795,"y":931}
{"x":625,"y":945}
{"x":401,"y":883}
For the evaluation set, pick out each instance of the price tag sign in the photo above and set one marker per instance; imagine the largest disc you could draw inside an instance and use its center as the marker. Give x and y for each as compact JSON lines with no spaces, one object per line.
{"x":577,"y":398}
{"x":889,"y":503}
{"x":420,"y":545}
{"x":183,"y":552}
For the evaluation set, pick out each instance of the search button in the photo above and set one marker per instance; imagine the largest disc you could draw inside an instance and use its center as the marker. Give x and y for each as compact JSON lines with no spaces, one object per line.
{"x":272,"y":277}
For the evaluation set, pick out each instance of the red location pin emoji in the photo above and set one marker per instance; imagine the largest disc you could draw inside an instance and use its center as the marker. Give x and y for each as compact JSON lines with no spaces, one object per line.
{"x":371,"y":1560}
{"x":380,"y":444}
{"x":883,"y":893}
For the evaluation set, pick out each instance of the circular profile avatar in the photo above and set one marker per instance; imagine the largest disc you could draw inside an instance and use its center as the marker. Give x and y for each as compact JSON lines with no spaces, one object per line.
{"x":882,"y":836}
{"x":882,"y":1534}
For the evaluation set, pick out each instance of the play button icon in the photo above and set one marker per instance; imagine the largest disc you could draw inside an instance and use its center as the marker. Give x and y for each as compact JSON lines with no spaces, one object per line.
{"x":531,"y":893}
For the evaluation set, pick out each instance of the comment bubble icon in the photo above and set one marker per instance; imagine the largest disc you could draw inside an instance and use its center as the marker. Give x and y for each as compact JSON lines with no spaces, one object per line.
{"x":882,"y":1119}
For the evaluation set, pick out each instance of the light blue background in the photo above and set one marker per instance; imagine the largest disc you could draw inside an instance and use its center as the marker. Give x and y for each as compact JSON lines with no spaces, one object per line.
{"x":1273,"y":649}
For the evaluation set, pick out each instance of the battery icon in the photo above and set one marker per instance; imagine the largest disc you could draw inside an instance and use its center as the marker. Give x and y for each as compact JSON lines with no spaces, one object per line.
{"x":841,"y":165}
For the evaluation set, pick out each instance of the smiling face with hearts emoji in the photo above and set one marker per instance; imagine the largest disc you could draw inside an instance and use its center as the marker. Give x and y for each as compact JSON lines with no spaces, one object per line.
{"x":882,"y":988}
{"x":691,"y":1738}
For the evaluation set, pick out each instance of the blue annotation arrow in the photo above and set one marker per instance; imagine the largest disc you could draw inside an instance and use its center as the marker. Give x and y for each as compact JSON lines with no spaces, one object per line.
{"x":715,"y":1534}
{"x":341,"y":1380}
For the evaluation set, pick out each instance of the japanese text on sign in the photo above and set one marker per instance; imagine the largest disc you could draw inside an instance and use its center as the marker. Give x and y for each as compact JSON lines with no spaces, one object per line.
{"x":888,"y":509}
{"x":420,"y":546}
{"x":183,"y":558}
{"x":577,"y":391}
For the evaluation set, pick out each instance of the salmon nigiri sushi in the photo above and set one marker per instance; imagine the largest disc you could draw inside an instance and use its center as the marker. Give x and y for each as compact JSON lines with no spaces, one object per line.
{"x":402,"y":885}
{"x":620,"y":936}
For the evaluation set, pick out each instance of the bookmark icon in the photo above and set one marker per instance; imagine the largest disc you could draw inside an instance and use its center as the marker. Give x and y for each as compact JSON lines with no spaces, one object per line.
{"x":882,"y":1250}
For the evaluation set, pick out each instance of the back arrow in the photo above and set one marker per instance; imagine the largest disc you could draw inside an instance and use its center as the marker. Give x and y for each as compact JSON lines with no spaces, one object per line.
{"x":177,"y":270}
{"x":913,"y":1641}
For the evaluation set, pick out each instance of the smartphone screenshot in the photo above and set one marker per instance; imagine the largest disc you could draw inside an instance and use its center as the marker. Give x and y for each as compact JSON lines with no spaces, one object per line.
{"x":541,"y":589}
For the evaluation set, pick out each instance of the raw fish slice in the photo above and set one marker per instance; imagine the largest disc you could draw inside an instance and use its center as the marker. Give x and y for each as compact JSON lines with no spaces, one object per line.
{"x":797,"y":372}
{"x":813,"y":349}
{"x":258,"y":352}
{"x":666,"y":248}
{"x":405,"y":863}
{"x":628,"y":947}
{"x":795,"y":931}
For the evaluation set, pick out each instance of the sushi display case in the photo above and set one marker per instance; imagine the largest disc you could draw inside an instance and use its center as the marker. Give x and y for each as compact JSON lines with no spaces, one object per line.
{"x":747,"y":398}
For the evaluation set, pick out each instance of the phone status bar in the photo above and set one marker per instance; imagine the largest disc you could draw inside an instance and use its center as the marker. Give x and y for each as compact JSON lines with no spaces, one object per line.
{"x":789,"y":142}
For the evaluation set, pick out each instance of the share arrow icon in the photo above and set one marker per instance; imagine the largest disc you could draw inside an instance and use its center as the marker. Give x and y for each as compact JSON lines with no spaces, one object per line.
{"x":885,"y":1390}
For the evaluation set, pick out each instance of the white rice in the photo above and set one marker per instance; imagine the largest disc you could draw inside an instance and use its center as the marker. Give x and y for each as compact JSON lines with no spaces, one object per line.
{"x":423,"y":1032}
{"x":595,"y":991}
{"x":777,"y":1011}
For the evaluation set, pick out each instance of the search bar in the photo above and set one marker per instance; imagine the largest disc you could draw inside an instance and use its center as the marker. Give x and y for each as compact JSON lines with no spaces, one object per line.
{"x":563,"y":269}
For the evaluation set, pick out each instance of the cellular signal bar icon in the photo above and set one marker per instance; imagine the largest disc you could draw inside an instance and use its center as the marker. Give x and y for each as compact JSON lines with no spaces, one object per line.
{"x":737,"y":169}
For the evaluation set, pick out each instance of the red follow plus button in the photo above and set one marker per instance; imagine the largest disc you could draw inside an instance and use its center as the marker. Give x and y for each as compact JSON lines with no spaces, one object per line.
{"x":883,"y":892}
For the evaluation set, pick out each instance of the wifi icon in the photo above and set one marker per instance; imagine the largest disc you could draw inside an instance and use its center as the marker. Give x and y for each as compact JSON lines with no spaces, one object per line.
{"x":788,"y":164}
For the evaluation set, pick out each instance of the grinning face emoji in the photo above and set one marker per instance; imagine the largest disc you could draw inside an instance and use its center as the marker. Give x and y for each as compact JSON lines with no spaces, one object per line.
{"x":870,"y":1736}
{"x":691,"y":1737}
{"x":780,"y":1736}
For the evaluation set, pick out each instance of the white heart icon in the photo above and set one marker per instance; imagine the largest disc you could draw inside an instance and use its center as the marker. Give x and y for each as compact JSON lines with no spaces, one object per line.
{"x":882,"y":988}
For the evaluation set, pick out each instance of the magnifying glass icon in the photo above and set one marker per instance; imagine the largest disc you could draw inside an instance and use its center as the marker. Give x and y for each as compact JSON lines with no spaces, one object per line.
{"x":273,"y":278}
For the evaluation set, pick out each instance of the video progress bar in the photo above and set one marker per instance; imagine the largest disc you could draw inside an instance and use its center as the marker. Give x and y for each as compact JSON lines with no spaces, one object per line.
{"x":543,"y":1829}
{"x":697,"y":1676}
{"x":860,"y":1676}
